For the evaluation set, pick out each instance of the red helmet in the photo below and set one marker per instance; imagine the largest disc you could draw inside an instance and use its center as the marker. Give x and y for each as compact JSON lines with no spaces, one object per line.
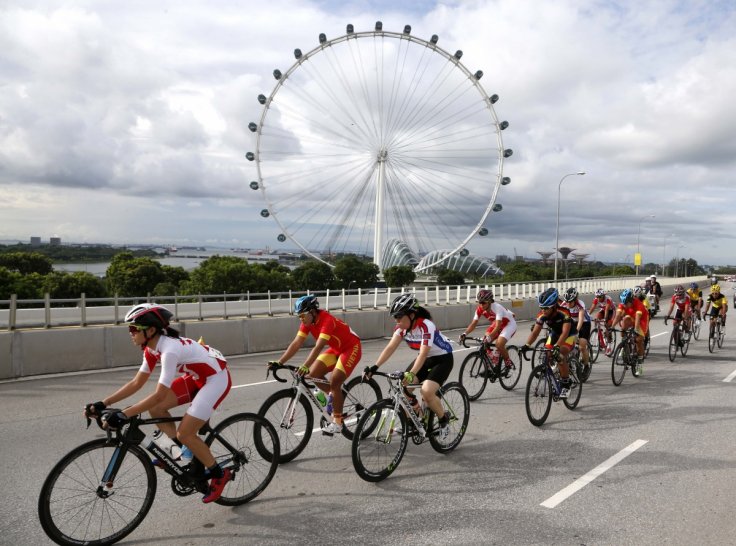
{"x":484,"y":296}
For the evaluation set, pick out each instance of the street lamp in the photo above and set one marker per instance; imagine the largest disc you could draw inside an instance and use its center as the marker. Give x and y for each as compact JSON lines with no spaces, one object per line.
{"x":664,"y":254}
{"x":557,"y":230}
{"x":638,"y":234}
{"x":677,"y":260}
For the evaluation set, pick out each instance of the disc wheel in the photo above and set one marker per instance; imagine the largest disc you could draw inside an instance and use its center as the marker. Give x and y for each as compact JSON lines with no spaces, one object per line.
{"x":293,"y":420}
{"x":472,"y":376}
{"x":366,"y":130}
{"x":377,"y":454}
{"x":538,"y":399}
{"x":74,"y":508}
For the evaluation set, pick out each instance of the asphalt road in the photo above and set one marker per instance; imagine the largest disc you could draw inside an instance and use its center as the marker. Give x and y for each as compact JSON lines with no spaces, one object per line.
{"x":676,"y":486}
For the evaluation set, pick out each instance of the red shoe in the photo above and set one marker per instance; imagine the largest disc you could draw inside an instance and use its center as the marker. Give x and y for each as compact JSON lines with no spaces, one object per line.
{"x":217,"y":485}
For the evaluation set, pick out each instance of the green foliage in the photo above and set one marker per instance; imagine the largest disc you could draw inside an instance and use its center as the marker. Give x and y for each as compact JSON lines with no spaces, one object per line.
{"x":450,"y":277}
{"x":351,"y":271}
{"x":129,"y":276}
{"x":74,"y":253}
{"x":399,"y":275}
{"x":26,"y":262}
{"x":312,"y":275}
{"x":64,"y":285}
{"x":219,"y":275}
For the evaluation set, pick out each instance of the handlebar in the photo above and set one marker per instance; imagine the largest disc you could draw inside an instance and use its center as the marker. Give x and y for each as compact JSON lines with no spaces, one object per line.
{"x":480,"y":341}
{"x":398,"y":374}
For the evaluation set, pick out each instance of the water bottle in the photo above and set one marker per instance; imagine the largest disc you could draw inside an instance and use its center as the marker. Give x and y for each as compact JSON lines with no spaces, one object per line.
{"x":186,"y":456}
{"x":494,"y":357}
{"x":417,"y":407}
{"x":321,"y":397}
{"x":167,"y":444}
{"x":329,"y":403}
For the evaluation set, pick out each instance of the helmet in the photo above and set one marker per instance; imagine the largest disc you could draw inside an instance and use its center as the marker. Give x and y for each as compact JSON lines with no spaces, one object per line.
{"x":403,"y":304}
{"x":653,"y":277}
{"x":716,"y":288}
{"x":306,"y":303}
{"x":626,"y":295}
{"x":638,"y":291}
{"x":571,"y":295}
{"x":679,"y":290}
{"x":484,"y":296}
{"x":548,"y":298}
{"x":149,"y":314}
{"x":600,"y":293}
{"x":693,"y":286}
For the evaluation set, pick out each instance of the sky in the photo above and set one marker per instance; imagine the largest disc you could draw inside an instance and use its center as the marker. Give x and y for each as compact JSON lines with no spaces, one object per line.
{"x":127,"y":122}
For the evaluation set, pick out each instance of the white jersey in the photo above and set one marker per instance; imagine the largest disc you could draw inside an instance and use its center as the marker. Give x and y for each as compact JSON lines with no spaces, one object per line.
{"x":425,"y":333}
{"x":182,"y":356}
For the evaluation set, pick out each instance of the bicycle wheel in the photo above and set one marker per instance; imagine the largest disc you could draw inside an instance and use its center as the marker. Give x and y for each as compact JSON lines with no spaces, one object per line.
{"x":359,"y":395}
{"x":456,"y":403}
{"x":712,"y":339}
{"x":376,"y":455}
{"x":647,"y":345}
{"x":510,"y":376}
{"x":674,"y":344}
{"x":538,"y":396}
{"x":685,"y":339}
{"x":292,"y":418}
{"x":594,"y":343}
{"x":256,"y":460}
{"x":576,"y":390}
{"x":472,"y":374}
{"x":721,"y":335}
{"x":696,"y":329}
{"x":619,"y":362}
{"x":76,"y":508}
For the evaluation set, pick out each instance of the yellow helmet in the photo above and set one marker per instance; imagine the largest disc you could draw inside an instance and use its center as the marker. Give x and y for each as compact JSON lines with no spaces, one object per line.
{"x":715,"y":289}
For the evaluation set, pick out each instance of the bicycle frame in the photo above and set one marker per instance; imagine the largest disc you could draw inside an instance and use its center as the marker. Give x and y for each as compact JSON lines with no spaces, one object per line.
{"x":396,"y":391}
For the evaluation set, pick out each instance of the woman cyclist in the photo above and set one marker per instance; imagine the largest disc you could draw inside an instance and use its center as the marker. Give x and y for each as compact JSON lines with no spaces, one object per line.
{"x":631,"y":313}
{"x":682,"y":301}
{"x":562,"y":333}
{"x":581,"y":319}
{"x":718,"y":305}
{"x":341,"y":356}
{"x":204,"y":382}
{"x":433,"y":364}
{"x":696,"y":298}
{"x":605,"y":307}
{"x":503,"y":323}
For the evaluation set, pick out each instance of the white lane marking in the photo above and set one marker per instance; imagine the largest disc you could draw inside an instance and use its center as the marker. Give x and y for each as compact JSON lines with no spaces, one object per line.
{"x":581,"y":482}
{"x":253,"y":384}
{"x":730,"y":377}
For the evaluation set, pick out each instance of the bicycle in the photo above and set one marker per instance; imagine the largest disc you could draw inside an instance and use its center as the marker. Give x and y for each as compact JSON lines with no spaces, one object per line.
{"x":601,"y":337}
{"x":383,"y":432}
{"x":290,"y":412}
{"x":696,"y":326}
{"x":544,"y":386}
{"x":625,"y":356}
{"x":679,"y":338}
{"x":99,"y":492}
{"x":716,"y":334}
{"x":484,"y":365}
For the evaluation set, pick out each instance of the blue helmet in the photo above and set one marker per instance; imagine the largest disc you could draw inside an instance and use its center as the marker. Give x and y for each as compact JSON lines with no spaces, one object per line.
{"x":626,"y":295}
{"x":548,"y":298}
{"x":693,"y":286}
{"x":306,"y":303}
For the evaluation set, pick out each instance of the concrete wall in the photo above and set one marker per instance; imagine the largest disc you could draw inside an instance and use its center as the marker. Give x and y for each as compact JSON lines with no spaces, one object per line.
{"x":34,"y":352}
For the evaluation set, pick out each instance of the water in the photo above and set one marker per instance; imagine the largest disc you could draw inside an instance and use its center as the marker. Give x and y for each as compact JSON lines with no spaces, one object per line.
{"x":188,"y":259}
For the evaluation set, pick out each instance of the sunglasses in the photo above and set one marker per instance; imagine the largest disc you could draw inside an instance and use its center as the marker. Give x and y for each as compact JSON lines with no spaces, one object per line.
{"x":133,"y":328}
{"x":397,"y":316}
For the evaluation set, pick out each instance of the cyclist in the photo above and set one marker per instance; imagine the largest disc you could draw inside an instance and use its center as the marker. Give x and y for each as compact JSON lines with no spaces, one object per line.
{"x":433,"y":364}
{"x":605,"y":305}
{"x":204,"y":382}
{"x":656,"y":290}
{"x":631,"y":313}
{"x":341,"y":357}
{"x":682,"y":301}
{"x":581,"y":318}
{"x":718,"y":304}
{"x":503,"y":323}
{"x":696,"y":298}
{"x":562,"y":333}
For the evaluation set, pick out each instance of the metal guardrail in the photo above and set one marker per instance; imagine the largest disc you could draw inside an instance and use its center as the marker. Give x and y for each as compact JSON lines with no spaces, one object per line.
{"x":49,"y":313}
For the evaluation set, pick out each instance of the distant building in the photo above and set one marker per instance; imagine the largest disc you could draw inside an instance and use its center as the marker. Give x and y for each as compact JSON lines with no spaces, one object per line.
{"x":55,"y":241}
{"x":35,"y":241}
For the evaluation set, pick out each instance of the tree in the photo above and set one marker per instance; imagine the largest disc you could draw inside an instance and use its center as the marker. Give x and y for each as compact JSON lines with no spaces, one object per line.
{"x":399,"y":275}
{"x":450,"y":277}
{"x":129,"y":276}
{"x":313,"y":275}
{"x":220,"y":275}
{"x":62,"y":285}
{"x":351,"y":270}
{"x":26,"y":262}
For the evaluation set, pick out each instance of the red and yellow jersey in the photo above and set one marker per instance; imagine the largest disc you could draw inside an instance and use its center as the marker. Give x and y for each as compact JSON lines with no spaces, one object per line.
{"x":335,"y":332}
{"x":636,"y":308}
{"x":694,"y":295}
{"x":717,"y":300}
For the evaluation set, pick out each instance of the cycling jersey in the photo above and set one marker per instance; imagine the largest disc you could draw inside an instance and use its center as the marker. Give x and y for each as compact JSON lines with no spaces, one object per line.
{"x":575,"y":308}
{"x":637,"y":308}
{"x":335,"y":332}
{"x":557,"y":321}
{"x":682,"y":303}
{"x":695,"y":296}
{"x":717,"y":302}
{"x":424,"y":332}
{"x":184,"y":356}
{"x":495,"y":312}
{"x":601,"y":303}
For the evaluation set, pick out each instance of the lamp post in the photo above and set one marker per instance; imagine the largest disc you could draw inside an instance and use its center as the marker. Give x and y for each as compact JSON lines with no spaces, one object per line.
{"x":557,"y":229}
{"x":638,"y":234}
{"x":677,"y":260}
{"x":664,"y":254}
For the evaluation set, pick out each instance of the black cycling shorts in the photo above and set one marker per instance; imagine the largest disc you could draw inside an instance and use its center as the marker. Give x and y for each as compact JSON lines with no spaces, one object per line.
{"x":436,"y":368}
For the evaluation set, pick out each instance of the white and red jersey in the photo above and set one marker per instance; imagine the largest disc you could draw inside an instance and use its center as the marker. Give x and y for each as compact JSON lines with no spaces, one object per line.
{"x":682,"y":303}
{"x":182,"y":356}
{"x":601,"y":303}
{"x":495,"y":312}
{"x":424,"y":332}
{"x":577,"y":307}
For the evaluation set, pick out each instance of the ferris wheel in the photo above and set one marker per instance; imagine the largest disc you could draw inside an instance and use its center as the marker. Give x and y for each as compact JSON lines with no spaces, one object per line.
{"x":374,"y":137}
